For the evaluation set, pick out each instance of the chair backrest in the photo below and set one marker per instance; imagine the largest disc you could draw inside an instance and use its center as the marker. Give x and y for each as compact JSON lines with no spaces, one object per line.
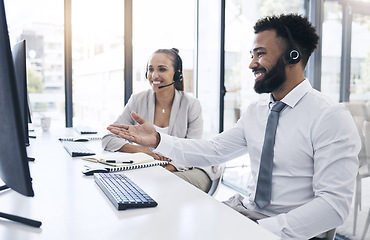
{"x":366,"y":128}
{"x":214,"y":186}
{"x":330,"y":235}
{"x":216,"y":183}
{"x":359,"y":108}
{"x":359,"y":113}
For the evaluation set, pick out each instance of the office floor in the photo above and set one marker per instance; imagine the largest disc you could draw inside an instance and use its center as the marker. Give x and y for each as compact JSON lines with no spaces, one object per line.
{"x":224,"y":192}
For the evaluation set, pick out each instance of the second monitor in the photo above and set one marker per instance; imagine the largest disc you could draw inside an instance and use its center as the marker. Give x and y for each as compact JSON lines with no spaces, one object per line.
{"x":19,"y":59}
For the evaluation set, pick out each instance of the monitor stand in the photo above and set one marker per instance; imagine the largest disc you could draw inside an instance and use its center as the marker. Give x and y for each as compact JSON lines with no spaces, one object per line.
{"x":19,"y":219}
{"x":30,"y":159}
{"x":27,"y":221}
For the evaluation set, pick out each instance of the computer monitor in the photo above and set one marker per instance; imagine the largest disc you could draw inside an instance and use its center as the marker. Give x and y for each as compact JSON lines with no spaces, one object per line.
{"x":19,"y":59}
{"x":29,"y":109}
{"x":14,"y":169}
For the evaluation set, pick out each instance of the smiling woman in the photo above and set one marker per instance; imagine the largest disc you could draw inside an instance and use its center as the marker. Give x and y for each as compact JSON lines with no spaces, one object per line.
{"x":160,"y":71}
{"x":165,"y":64}
{"x":171,"y":111}
{"x":164,"y":70}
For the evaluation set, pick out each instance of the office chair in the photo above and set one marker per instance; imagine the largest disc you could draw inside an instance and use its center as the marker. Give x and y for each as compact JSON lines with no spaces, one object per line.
{"x":216,"y":183}
{"x":360,"y":116}
{"x":366,"y":226}
{"x":365,"y":169}
{"x":330,"y":235}
{"x":214,"y":186}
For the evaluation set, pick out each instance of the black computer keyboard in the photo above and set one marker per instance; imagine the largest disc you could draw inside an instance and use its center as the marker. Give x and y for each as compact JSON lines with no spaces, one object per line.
{"x":77,"y":149}
{"x":122,"y":191}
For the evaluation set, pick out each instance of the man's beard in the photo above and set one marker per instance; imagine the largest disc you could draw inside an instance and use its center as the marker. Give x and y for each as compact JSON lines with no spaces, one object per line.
{"x":273,"y":79}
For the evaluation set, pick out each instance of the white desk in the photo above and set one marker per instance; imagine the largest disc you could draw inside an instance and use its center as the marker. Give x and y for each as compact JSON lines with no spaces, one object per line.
{"x":71,"y":205}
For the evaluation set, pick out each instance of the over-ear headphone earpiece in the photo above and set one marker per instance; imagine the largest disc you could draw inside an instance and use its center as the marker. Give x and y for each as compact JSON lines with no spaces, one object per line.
{"x":146,"y":70}
{"x":292,"y":55}
{"x":177,"y":77}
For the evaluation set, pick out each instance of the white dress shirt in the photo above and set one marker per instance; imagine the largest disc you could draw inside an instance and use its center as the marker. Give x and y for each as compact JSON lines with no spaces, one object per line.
{"x":315,"y":160}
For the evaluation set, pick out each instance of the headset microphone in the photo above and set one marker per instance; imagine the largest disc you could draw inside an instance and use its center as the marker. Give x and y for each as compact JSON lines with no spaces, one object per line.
{"x":167,"y":85}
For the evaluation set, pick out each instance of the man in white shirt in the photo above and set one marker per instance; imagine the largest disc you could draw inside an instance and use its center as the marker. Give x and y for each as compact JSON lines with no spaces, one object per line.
{"x":316,"y":145}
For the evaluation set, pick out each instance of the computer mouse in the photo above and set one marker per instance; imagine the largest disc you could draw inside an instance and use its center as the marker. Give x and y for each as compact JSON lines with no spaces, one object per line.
{"x":90,"y":170}
{"x":80,"y":139}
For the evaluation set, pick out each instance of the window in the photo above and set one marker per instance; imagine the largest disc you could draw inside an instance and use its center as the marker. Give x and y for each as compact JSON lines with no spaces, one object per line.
{"x":44,"y":35}
{"x":360,"y":58}
{"x":97,"y":62}
{"x":359,"y":49}
{"x":208,"y":63}
{"x":331,"y":49}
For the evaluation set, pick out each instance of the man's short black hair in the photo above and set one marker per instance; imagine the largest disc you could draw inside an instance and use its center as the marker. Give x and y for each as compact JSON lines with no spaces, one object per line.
{"x":303,"y":33}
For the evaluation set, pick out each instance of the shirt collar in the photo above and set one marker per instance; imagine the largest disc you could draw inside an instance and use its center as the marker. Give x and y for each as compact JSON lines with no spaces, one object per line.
{"x":297,"y":93}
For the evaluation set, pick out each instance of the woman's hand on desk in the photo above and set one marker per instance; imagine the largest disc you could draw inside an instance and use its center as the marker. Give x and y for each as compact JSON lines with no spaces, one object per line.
{"x":155,"y":155}
{"x":130,"y":148}
{"x":170,"y":168}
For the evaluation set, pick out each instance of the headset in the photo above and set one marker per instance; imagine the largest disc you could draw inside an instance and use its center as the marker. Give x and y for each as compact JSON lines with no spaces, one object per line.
{"x":177,"y":77}
{"x":292,"y":55}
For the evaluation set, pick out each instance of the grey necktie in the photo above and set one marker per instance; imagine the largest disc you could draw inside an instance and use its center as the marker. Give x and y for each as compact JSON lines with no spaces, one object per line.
{"x":263,"y":191}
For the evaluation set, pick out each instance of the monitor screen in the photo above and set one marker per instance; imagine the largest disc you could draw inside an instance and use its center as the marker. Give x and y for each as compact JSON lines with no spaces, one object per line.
{"x":19,"y":58}
{"x":14,"y":170}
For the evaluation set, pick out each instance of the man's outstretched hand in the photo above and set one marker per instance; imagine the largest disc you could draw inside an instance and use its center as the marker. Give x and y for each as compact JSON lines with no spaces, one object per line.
{"x":143,"y":134}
